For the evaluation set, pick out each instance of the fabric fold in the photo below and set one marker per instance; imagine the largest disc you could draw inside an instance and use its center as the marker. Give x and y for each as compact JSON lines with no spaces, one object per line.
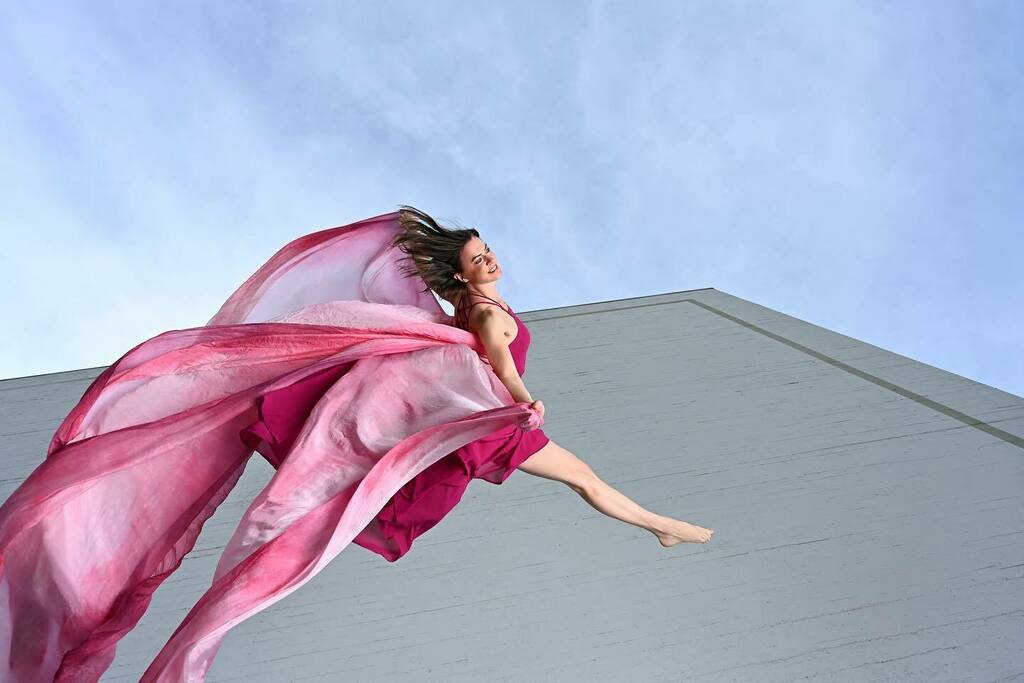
{"x":328,"y":361}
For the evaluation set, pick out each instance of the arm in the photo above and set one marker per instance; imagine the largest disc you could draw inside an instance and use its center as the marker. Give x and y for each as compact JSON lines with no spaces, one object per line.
{"x":496,"y":345}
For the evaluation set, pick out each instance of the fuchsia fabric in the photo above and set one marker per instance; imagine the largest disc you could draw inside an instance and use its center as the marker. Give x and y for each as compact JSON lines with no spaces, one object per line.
{"x":346,"y":376}
{"x":424,"y":501}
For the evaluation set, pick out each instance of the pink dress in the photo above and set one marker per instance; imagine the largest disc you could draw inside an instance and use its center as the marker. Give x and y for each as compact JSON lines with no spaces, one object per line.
{"x":423,"y":501}
{"x":332,"y":363}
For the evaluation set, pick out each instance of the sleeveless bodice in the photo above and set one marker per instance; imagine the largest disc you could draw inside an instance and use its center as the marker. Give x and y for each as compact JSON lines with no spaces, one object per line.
{"x":519,"y":346}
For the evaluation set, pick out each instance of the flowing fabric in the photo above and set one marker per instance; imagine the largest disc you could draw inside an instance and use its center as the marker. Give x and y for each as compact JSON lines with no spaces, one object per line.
{"x":425,"y":500}
{"x":387,"y":386}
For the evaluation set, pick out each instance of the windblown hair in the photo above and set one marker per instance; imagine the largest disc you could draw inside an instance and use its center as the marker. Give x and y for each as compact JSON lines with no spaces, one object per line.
{"x":433,"y":251}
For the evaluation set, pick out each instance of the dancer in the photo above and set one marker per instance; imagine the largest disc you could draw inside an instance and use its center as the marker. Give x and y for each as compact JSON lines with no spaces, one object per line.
{"x":345,"y":375}
{"x":462,"y":268}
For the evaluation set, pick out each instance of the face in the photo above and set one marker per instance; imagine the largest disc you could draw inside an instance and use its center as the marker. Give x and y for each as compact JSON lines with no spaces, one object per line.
{"x":479,"y":264}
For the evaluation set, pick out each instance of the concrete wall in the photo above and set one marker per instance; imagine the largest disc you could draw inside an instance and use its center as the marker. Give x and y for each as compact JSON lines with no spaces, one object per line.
{"x":867,"y":511}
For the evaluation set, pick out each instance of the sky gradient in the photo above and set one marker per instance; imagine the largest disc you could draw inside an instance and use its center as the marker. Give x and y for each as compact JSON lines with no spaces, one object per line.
{"x":855,"y":165}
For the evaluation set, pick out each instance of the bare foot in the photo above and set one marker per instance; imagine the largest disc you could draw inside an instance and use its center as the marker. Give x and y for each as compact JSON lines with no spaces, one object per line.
{"x":675,"y":531}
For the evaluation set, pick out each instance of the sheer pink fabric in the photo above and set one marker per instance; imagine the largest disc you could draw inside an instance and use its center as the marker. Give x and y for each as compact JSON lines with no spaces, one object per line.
{"x":160,"y":437}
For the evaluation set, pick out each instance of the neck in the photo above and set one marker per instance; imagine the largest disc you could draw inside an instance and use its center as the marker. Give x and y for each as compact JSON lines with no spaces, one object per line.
{"x":487,"y":289}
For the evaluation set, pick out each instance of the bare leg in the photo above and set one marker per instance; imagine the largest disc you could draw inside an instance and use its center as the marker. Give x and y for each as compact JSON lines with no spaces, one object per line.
{"x":559,"y":464}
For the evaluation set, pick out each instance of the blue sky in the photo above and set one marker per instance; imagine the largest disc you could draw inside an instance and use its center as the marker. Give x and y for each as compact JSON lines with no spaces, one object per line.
{"x":855,"y":165}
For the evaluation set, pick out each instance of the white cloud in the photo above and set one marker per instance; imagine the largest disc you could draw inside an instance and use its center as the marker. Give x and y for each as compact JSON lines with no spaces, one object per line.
{"x":850,"y":165}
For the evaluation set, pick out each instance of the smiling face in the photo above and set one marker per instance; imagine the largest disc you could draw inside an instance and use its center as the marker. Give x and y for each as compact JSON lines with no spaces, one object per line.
{"x":479,"y":263}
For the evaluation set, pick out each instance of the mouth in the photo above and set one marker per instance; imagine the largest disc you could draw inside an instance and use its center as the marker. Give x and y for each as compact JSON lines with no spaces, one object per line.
{"x":493,"y":269}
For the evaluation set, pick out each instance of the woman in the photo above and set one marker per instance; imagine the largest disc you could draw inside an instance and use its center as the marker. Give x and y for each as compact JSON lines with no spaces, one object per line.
{"x":374,"y":409}
{"x":462,"y":269}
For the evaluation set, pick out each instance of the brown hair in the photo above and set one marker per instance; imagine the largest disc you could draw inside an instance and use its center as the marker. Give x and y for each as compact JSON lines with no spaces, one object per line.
{"x":434,"y":254}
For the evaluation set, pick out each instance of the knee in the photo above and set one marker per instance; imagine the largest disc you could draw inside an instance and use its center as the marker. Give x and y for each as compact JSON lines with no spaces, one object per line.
{"x":584,"y":481}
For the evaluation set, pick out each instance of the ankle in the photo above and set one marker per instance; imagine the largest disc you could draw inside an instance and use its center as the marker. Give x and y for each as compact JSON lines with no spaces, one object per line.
{"x":659,"y":524}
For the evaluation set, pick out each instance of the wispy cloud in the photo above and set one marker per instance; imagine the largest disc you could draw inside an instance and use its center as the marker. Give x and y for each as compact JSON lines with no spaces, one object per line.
{"x":853,"y":165}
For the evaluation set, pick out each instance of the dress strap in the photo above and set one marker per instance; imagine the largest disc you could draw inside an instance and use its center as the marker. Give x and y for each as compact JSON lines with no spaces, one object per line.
{"x":485,"y":303}
{"x":507,"y":309}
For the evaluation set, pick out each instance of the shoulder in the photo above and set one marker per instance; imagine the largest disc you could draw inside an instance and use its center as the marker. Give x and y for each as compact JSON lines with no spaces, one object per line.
{"x":483,"y":316}
{"x":485,"y":322}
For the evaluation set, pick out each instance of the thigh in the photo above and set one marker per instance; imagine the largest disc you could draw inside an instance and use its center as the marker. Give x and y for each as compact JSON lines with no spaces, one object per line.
{"x":557,"y":463}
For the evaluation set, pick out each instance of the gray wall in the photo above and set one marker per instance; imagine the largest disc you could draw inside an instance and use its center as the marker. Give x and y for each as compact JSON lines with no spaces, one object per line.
{"x":867,"y":512}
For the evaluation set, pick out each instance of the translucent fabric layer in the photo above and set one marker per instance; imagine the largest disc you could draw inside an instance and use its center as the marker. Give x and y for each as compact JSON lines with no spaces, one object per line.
{"x":161,"y":436}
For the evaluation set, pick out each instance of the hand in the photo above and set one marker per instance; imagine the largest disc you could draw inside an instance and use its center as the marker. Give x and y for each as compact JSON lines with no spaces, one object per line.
{"x":538,"y":405}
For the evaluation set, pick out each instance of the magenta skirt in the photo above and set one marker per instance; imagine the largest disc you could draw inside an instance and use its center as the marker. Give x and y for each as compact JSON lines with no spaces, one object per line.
{"x":424,"y":500}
